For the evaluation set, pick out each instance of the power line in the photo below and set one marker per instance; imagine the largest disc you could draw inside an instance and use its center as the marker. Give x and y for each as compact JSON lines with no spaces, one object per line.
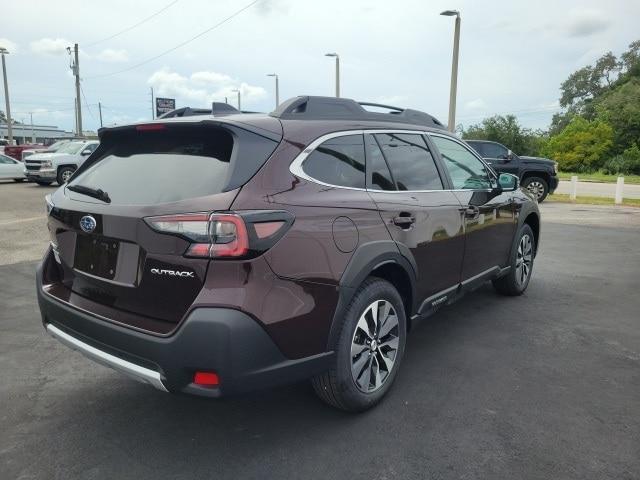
{"x":220,"y":23}
{"x":87,"y":103}
{"x":133,"y":26}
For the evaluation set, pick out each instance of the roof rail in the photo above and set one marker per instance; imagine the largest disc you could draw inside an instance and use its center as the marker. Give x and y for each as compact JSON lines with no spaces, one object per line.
{"x":332,"y":108}
{"x":218,"y":109}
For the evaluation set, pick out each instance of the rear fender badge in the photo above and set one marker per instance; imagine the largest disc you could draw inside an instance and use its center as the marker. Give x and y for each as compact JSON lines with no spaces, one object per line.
{"x":88,"y":224}
{"x":171,"y":273}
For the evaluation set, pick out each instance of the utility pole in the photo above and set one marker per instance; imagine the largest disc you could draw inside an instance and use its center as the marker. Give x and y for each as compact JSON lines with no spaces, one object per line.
{"x":238,"y":92}
{"x":3,"y":52}
{"x":100,"y":112}
{"x":33,"y":135}
{"x":337,"y":57}
{"x":454,"y":69}
{"x":153,"y":110}
{"x":277,"y":87}
{"x":75,"y":67}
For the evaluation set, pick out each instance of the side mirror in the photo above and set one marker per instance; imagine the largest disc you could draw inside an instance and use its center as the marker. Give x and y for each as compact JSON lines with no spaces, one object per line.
{"x":84,"y":153}
{"x":508,"y":182}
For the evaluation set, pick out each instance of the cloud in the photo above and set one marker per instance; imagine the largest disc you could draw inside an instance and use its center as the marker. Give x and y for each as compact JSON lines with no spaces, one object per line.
{"x":202,"y":88}
{"x":393,"y":100}
{"x":115,"y":56}
{"x":9,"y":45}
{"x":584,"y":23}
{"x":475,"y":104}
{"x":50,"y":46}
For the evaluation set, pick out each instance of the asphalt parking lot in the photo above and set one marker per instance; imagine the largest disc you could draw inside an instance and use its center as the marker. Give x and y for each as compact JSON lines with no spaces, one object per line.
{"x":545,"y":386}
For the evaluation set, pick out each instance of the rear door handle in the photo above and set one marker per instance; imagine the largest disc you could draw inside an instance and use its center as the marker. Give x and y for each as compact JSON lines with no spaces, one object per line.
{"x":403,"y":221}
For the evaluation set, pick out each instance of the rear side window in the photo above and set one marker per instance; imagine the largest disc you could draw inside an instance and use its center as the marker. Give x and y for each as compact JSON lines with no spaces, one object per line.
{"x":410,"y":161}
{"x":338,"y":161}
{"x":380,"y":176}
{"x":149,"y":167}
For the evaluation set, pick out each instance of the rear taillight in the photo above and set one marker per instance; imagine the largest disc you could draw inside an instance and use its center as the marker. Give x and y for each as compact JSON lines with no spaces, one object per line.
{"x":212,"y":235}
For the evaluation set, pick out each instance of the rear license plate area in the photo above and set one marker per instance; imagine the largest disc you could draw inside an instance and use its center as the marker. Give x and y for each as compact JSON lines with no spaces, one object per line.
{"x":96,"y":256}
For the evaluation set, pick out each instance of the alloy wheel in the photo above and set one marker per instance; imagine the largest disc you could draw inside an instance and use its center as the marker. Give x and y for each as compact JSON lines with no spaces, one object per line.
{"x":66,"y":175}
{"x":536,"y":188}
{"x":524,"y":259}
{"x":374,"y":346}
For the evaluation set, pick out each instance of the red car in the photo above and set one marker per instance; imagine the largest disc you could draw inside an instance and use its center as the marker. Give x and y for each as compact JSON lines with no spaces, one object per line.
{"x":15,"y":151}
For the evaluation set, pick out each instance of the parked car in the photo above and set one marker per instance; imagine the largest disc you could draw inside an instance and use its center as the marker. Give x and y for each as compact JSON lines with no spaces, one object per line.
{"x":218,"y":255}
{"x":3,"y":143}
{"x":51,"y":148}
{"x":15,"y":151}
{"x":58,"y":166}
{"x":11,"y":169}
{"x":538,"y":175}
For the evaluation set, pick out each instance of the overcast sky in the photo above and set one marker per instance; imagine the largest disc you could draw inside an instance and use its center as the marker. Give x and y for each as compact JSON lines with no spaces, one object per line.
{"x":513,"y":54}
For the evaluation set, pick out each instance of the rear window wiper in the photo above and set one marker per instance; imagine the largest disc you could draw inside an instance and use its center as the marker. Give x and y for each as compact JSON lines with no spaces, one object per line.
{"x":91,"y":192}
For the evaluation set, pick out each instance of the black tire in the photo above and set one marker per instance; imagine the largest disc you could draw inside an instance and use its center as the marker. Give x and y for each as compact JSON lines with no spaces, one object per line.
{"x":18,"y":180}
{"x":62,"y":173}
{"x":337,"y":387}
{"x":512,"y":284}
{"x":537,"y":186}
{"x":43,"y":184}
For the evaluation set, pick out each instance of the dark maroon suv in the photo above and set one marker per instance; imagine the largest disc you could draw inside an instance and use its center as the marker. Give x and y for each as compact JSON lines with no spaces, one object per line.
{"x":217,"y":254}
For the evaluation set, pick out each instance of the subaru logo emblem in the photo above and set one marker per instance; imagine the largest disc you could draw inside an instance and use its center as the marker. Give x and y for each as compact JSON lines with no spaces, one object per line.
{"x":88,"y":224}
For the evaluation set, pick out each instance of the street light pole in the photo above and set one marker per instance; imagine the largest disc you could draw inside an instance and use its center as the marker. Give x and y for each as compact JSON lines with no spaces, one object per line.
{"x":33,"y":135}
{"x":237,"y":90}
{"x":337,"y":57}
{"x":454,"y":69}
{"x":3,"y":52}
{"x":277,"y":87}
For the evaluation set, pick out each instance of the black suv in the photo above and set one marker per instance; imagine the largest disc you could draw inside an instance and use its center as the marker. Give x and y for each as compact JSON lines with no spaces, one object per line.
{"x":214,"y":254}
{"x":538,"y":175}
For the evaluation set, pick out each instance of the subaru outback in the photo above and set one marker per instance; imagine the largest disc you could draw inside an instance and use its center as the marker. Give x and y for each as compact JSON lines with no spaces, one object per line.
{"x":213,"y":255}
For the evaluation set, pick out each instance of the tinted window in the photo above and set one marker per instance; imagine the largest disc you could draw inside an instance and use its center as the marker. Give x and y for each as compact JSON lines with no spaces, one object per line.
{"x":161,"y":166}
{"x":379,"y":175}
{"x":493,"y":150}
{"x":338,"y":161}
{"x":410,"y":160}
{"x":466,"y":171}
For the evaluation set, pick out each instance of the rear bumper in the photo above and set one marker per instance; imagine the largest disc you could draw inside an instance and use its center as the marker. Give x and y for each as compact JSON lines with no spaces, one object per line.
{"x":220,"y":340}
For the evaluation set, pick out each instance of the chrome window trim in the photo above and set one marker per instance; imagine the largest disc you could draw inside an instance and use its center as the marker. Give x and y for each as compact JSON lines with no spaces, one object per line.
{"x":296,"y":165}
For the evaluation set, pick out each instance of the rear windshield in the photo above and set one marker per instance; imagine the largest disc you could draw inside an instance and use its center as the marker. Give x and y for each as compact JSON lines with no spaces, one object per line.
{"x":148,"y":167}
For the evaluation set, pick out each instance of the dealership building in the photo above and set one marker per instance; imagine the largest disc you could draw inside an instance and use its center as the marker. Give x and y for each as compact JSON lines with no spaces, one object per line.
{"x":23,"y":133}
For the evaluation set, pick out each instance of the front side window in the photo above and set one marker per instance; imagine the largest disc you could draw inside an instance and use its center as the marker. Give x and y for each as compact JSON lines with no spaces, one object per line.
{"x":465,"y":170}
{"x":410,"y":161}
{"x":338,"y":161}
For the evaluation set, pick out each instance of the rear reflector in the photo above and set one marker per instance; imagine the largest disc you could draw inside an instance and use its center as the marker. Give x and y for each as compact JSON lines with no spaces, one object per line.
{"x":206,"y":379}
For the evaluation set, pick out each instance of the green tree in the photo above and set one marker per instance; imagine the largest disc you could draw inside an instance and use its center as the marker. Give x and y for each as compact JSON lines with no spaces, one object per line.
{"x":508,"y":131}
{"x":620,"y":108}
{"x":582,"y":145}
{"x":588,"y":83}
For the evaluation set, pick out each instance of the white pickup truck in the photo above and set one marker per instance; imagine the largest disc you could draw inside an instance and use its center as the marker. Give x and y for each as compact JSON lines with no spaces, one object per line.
{"x":58,"y":166}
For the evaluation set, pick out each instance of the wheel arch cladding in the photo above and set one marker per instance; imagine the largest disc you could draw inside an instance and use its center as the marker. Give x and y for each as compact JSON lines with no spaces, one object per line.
{"x":544,"y":175}
{"x":382,"y":259}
